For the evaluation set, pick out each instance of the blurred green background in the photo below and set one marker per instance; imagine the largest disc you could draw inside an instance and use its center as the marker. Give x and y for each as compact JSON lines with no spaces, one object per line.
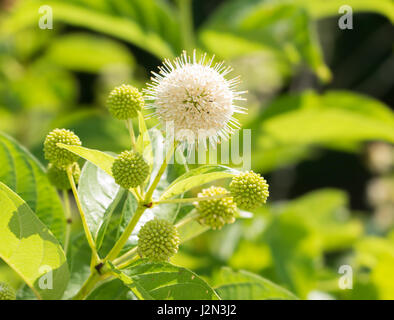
{"x":318,"y":104}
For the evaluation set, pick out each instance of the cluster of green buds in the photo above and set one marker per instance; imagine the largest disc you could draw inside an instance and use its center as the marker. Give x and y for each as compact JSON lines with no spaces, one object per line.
{"x":6,"y":292}
{"x":124,"y":102}
{"x":61,"y":159}
{"x":218,"y":206}
{"x":130,"y":169}
{"x":158,"y":240}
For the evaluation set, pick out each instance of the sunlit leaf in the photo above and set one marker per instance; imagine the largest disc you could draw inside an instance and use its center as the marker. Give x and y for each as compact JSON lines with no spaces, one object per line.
{"x":29,"y":247}
{"x":164,"y":281}
{"x":21,"y":172}
{"x":244,"y":285}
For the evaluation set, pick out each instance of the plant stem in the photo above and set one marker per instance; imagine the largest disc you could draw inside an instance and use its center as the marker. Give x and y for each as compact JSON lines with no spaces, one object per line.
{"x":129,"y":254}
{"x":126,"y":234}
{"x":187,"y":219}
{"x":186,"y":200}
{"x":163,"y":167}
{"x":67,"y":211}
{"x":95,"y":257}
{"x":129,"y":125}
{"x":88,"y":286}
{"x":187,"y":28}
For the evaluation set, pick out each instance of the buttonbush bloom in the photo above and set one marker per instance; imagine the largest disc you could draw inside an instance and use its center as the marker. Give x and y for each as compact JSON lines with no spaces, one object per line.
{"x":59,"y":157}
{"x":215,"y":213}
{"x":130,"y":169}
{"x":194,"y":97}
{"x":249,"y":190}
{"x":158,"y":240}
{"x":124,"y":102}
{"x":6,"y":292}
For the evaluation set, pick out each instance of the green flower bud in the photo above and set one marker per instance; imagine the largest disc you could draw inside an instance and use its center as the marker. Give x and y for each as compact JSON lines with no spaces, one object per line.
{"x":59,"y":157}
{"x":249,"y":190}
{"x":6,"y":292}
{"x":215,"y":213}
{"x":130,"y":169}
{"x":124,"y":102}
{"x":58,"y":177}
{"x":158,"y":240}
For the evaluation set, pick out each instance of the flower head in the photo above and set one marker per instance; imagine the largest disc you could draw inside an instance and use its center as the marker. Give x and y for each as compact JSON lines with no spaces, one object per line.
{"x":249,"y":190}
{"x":194,"y":96}
{"x":130,"y":169}
{"x":215,"y":213}
{"x":58,"y":177}
{"x":6,"y":292}
{"x":158,"y":240}
{"x":124,"y":102}
{"x":60,"y":157}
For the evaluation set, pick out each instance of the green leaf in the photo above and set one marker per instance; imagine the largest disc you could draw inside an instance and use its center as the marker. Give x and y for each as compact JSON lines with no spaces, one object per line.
{"x":244,"y":285}
{"x":111,"y":290}
{"x":327,"y":213}
{"x":78,"y":257}
{"x":281,"y":28}
{"x":87,"y":53}
{"x":197,"y":177}
{"x":146,"y":24}
{"x":21,"y":172}
{"x":322,"y":8}
{"x":29,"y":247}
{"x":164,"y":281}
{"x":337,"y":119}
{"x":100,"y":159}
{"x":99,"y":195}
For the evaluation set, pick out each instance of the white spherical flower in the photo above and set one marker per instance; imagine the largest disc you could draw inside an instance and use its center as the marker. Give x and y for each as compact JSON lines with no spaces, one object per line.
{"x":194,"y":97}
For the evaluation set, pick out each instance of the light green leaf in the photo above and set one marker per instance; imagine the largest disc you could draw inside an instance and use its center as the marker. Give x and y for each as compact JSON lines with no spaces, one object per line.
{"x":322,"y":8}
{"x":197,"y":177}
{"x":164,"y":281}
{"x":244,"y":285}
{"x":337,"y":119}
{"x":78,"y":257}
{"x":29,"y":247}
{"x":124,"y":20}
{"x":111,"y":290}
{"x":99,"y":196}
{"x":88,"y":53}
{"x":279,"y":27}
{"x":100,"y":159}
{"x":21,"y":172}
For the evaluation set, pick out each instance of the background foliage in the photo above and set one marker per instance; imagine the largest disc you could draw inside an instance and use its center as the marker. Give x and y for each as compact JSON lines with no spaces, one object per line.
{"x":319,"y":108}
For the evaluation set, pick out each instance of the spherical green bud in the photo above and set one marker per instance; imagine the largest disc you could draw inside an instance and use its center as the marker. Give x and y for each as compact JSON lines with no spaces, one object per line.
{"x":215,"y":213}
{"x":124,"y":102}
{"x":249,"y":190}
{"x":58,"y":177}
{"x":6,"y":292}
{"x":59,"y":157}
{"x":130,"y":169}
{"x":158,"y":240}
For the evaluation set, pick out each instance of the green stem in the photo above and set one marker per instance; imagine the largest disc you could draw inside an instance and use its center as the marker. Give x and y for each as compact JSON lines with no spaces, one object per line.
{"x":95,"y":257}
{"x":186,"y":20}
{"x":126,"y":234}
{"x":67,"y":211}
{"x":129,"y":125}
{"x":186,"y":200}
{"x":186,"y":220}
{"x":129,"y":254}
{"x":88,"y":286}
{"x":163,"y":167}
